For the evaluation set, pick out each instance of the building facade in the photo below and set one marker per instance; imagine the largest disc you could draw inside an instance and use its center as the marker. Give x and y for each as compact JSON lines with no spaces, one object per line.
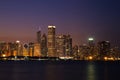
{"x":64,"y":45}
{"x":103,"y":48}
{"x":44,"y":45}
{"x":51,"y":42}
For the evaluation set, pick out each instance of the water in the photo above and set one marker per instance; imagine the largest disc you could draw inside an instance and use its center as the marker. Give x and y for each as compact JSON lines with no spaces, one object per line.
{"x":59,"y":70}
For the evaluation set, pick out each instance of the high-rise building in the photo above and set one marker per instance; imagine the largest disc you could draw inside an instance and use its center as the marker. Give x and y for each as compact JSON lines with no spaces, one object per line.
{"x":103,"y":48}
{"x":51,"y":42}
{"x":39,"y":36}
{"x":44,"y":45}
{"x":83,"y":51}
{"x":91,"y":47}
{"x":91,"y":42}
{"x":68,"y":45}
{"x":18,"y":48}
{"x":31,"y":49}
{"x":75,"y":51}
{"x":37,"y":46}
{"x":60,"y":45}
{"x":64,"y":45}
{"x":37,"y":50}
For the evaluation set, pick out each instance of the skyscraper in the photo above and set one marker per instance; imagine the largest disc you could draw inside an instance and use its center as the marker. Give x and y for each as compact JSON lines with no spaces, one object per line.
{"x":60,"y":45}
{"x":31,"y":49}
{"x":91,"y":42}
{"x":64,"y":45}
{"x":39,"y":36}
{"x":91,"y":47}
{"x":103,"y":48}
{"x":51,"y":42}
{"x":37,"y":46}
{"x":68,"y":45}
{"x":44,"y":45}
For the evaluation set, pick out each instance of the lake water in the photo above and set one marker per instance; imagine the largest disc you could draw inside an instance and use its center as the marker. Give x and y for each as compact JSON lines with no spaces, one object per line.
{"x":59,"y":70}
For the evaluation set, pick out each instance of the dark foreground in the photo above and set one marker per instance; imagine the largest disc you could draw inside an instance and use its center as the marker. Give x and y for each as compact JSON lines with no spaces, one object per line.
{"x":59,"y":70}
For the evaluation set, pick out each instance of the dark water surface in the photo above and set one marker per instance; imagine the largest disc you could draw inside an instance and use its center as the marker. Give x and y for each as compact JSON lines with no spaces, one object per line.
{"x":59,"y":70}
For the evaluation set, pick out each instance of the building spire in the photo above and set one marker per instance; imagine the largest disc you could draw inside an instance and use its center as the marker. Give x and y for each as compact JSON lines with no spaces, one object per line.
{"x":39,"y":29}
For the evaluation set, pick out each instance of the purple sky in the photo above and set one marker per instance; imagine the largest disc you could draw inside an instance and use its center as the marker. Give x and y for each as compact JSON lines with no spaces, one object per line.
{"x":20,"y":19}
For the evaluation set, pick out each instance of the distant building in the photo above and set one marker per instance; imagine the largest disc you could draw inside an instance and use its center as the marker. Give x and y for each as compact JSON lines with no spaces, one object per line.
{"x":44,"y":45}
{"x":75,"y":51}
{"x":39,"y":36}
{"x":4,"y":49}
{"x":18,"y":48}
{"x":37,"y":46}
{"x":60,"y":45}
{"x":83,"y":52}
{"x":91,"y":45}
{"x":51,"y":41}
{"x":103,"y":48}
{"x":31,"y":49}
{"x":64,"y":45}
{"x":11,"y":48}
{"x":91,"y":42}
{"x":25,"y":50}
{"x":68,"y":45}
{"x":37,"y":50}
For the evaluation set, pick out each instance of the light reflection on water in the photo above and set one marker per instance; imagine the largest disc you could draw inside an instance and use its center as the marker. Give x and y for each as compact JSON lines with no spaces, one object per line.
{"x":80,"y":70}
{"x":91,"y":72}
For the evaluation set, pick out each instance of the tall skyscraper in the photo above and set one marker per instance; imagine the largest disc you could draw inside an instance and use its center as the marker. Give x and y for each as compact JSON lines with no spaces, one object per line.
{"x":37,"y":46}
{"x":44,"y":45}
{"x":91,"y":42}
{"x":60,"y":45}
{"x":39,"y":36}
{"x":51,"y":42}
{"x":68,"y":45}
{"x":92,"y":47}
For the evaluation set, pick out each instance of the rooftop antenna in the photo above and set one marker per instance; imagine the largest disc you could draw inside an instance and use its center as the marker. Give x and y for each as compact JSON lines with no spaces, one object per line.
{"x":39,"y":29}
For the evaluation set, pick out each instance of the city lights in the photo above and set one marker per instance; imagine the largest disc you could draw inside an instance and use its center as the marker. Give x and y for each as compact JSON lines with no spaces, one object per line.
{"x":4,"y":55}
{"x":90,"y":57}
{"x":51,"y":27}
{"x":54,"y":46}
{"x":90,"y":39}
{"x":105,"y":58}
{"x":17,"y":41}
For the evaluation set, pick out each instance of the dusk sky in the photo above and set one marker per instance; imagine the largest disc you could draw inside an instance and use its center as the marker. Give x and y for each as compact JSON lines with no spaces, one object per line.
{"x":20,"y":19}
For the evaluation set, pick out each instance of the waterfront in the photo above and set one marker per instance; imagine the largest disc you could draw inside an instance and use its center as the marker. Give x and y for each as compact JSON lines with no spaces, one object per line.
{"x":59,"y":70}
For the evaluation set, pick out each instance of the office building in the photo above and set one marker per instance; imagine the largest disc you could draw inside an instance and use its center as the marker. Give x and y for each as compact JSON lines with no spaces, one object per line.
{"x":103,"y":49}
{"x":60,"y":45}
{"x":31,"y":49}
{"x":64,"y":45}
{"x":37,"y":50}
{"x":44,"y":45}
{"x":39,"y":36}
{"x":51,"y":42}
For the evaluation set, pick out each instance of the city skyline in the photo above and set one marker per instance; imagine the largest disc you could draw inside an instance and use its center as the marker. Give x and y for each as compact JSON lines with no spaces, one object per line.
{"x":53,"y":46}
{"x":81,"y":19}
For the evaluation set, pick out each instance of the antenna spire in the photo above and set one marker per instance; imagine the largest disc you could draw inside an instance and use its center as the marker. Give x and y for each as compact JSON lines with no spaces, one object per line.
{"x":39,"y":29}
